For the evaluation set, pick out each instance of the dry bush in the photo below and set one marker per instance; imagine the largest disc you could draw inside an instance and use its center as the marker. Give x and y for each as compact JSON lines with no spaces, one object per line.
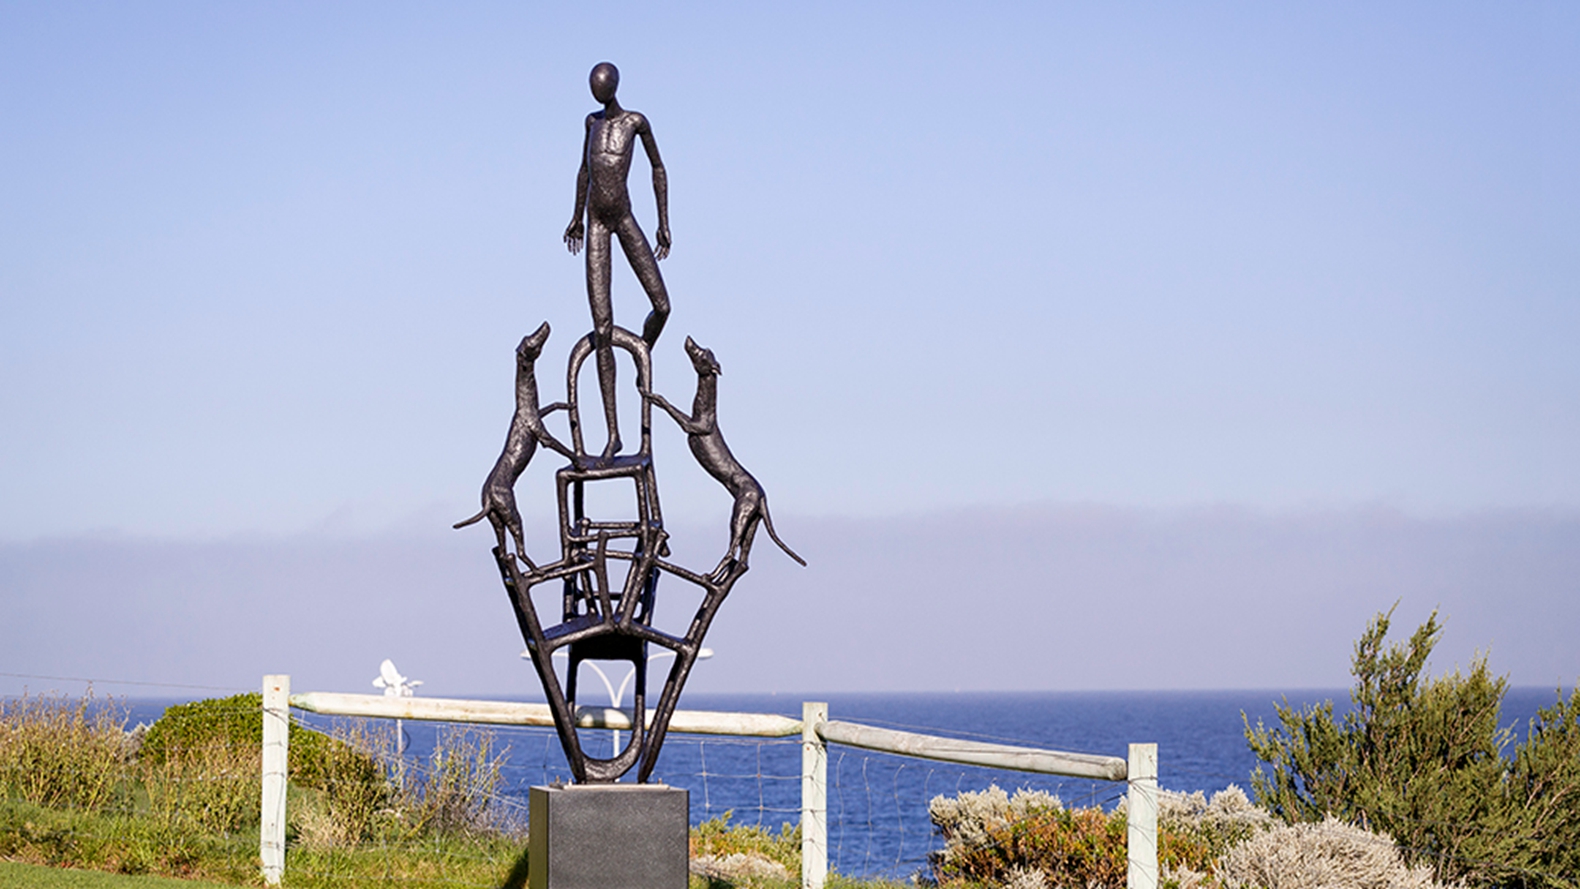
{"x":214,"y":788}
{"x":994,"y":838}
{"x":1195,"y":832}
{"x":1229,"y":816}
{"x":455,"y":790}
{"x":358,"y":796}
{"x":351,"y":792}
{"x":972,"y":818}
{"x":1030,"y":841}
{"x":1329,"y":855}
{"x":61,"y":753}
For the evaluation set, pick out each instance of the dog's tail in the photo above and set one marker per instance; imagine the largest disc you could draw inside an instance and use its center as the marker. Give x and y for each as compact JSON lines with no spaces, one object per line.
{"x":768,"y":523}
{"x":464,"y":522}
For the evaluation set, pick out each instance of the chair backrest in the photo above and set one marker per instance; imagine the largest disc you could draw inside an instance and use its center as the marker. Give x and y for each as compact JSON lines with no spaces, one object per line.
{"x":637,"y":348}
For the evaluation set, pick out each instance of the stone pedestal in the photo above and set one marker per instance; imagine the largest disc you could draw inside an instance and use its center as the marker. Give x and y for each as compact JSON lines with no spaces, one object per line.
{"x":608,"y":836}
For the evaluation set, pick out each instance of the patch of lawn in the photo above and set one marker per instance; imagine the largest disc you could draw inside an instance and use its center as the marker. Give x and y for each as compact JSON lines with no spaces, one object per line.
{"x":42,"y":877}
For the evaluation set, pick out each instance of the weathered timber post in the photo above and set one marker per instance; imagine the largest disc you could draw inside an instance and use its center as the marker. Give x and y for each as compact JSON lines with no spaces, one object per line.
{"x":814,"y":796}
{"x":276,"y":741}
{"x":1142,"y":817}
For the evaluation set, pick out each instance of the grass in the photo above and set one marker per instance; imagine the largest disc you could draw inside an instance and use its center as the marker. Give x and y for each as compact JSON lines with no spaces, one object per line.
{"x":123,"y":843}
{"x":13,"y":873}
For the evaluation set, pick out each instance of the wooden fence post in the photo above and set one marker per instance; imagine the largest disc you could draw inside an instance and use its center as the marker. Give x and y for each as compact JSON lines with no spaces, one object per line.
{"x":814,"y":796}
{"x":1142,"y":817}
{"x":276,"y":741}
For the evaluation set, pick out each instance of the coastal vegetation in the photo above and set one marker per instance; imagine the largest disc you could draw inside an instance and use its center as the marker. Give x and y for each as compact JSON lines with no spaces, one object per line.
{"x":1416,"y":786}
{"x":1425,"y":761}
{"x":181,"y":798}
{"x":1030,"y":841}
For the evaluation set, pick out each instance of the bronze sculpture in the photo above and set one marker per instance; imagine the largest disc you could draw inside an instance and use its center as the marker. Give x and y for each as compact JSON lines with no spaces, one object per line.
{"x":605,"y":617}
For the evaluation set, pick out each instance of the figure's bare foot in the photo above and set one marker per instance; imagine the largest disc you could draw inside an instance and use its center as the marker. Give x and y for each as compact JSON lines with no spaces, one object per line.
{"x":522,"y":555}
{"x":612,"y":448}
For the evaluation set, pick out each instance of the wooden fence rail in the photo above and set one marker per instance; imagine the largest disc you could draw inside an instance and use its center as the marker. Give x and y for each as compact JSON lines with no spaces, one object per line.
{"x":817,"y":731}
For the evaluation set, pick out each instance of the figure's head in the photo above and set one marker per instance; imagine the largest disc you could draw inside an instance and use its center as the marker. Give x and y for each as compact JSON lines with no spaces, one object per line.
{"x":702,"y":359}
{"x":605,"y":79}
{"x":532,"y":345}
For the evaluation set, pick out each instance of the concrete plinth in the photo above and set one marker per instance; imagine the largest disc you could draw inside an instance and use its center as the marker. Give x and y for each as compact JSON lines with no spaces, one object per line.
{"x":608,"y":836}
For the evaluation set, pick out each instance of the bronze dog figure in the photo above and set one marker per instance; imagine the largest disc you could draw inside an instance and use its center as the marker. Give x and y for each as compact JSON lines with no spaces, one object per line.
{"x":707,"y":445}
{"x":526,"y":431}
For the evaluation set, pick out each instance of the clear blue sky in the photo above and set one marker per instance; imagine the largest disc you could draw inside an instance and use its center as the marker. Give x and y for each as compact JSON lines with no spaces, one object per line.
{"x":262,"y":266}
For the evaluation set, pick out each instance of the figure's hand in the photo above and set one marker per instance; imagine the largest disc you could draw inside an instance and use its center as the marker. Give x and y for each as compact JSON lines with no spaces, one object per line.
{"x":663,"y":243}
{"x":574,"y":234}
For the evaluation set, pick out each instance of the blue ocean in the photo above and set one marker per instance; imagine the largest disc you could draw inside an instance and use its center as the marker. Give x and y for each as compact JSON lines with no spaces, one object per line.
{"x":877,"y":803}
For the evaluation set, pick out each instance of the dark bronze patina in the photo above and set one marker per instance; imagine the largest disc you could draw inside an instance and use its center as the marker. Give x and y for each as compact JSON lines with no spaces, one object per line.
{"x":601,"y":194}
{"x":606,"y":611}
{"x":526,"y":431}
{"x":707,"y":445}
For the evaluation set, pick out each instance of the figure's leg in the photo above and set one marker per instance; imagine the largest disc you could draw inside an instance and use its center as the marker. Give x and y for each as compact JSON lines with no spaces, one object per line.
{"x":640,"y":254}
{"x":603,"y":326}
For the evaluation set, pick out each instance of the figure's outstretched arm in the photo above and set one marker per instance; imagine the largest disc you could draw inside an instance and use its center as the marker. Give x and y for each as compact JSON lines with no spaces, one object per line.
{"x":547,"y":409}
{"x":576,"y":231}
{"x":686,"y":423}
{"x":660,"y":188}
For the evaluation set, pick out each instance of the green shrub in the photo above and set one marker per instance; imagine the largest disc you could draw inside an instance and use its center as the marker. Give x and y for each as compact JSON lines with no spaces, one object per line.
{"x":1421,"y":759}
{"x":1543,"y":788}
{"x":316,"y":759}
{"x":62,"y":753}
{"x":236,"y":721}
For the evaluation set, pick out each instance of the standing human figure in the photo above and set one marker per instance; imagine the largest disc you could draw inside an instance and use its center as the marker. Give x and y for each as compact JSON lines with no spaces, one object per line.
{"x":602,"y":198}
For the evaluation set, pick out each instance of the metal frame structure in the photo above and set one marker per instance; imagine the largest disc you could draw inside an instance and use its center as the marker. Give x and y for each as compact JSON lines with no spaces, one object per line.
{"x":605,"y":617}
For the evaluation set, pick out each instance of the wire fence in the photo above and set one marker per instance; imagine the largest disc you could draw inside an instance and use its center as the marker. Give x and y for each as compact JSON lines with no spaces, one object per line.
{"x":879,"y":825}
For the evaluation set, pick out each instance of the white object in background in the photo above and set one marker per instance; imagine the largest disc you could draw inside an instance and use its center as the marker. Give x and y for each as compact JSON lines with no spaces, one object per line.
{"x":397,"y":686}
{"x":616,"y":697}
{"x":394,"y":684}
